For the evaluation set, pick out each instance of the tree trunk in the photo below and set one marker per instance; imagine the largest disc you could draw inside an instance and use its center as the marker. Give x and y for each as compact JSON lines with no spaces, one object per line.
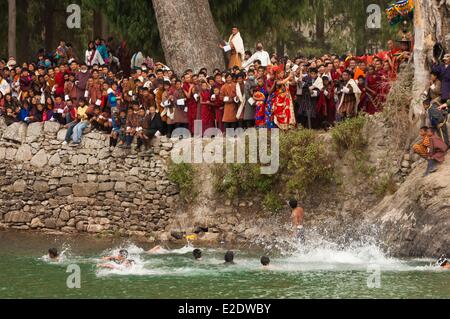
{"x":97,"y":24}
{"x":104,"y":27}
{"x":320,"y":28}
{"x":49,"y":25}
{"x":12,"y":28}
{"x":189,"y":35}
{"x":23,"y":29}
{"x":431,"y":25}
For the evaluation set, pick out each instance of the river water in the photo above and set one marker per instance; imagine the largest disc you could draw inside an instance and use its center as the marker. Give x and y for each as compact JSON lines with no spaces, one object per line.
{"x":320,"y":271}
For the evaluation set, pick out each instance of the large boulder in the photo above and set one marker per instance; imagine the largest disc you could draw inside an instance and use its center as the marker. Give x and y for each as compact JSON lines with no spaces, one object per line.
{"x":19,"y":186}
{"x":94,"y":229}
{"x":18,"y":217}
{"x":24,"y":153}
{"x":64,"y":191}
{"x":34,"y":132}
{"x":61,"y":136}
{"x":51,"y":127}
{"x":415,"y":221}
{"x":40,"y":159}
{"x":41,"y":187}
{"x":55,"y":160}
{"x":10,"y":153}
{"x":84,"y":189}
{"x":16,"y":132}
{"x":36,"y":223}
{"x":121,"y":187}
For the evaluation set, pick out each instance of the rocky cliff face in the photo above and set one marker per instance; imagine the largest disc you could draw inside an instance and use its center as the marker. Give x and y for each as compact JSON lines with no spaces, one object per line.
{"x":415,"y":221}
{"x":50,"y":187}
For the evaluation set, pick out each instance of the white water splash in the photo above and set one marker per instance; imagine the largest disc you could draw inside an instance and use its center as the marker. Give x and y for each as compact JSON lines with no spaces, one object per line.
{"x":64,"y":256}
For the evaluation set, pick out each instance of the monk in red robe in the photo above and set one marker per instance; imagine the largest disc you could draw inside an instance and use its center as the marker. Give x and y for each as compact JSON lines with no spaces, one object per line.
{"x":191,"y":103}
{"x":207,"y":108}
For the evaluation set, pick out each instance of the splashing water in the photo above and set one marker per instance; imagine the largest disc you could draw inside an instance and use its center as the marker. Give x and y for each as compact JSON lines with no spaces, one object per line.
{"x":64,"y":256}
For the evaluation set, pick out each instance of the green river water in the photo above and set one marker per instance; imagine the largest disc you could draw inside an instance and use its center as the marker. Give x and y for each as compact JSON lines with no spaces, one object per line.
{"x":324,"y":271}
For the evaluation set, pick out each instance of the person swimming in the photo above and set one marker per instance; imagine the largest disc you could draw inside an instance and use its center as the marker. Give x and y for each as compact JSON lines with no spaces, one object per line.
{"x":197,"y":253}
{"x":157,"y":250}
{"x":229,"y":258}
{"x":53,"y":254}
{"x":443,"y":262}
{"x":265,"y":262}
{"x":120,"y":260}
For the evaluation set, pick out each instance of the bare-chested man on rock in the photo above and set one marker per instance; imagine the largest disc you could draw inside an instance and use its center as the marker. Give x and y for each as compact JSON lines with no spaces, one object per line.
{"x":297,"y":220}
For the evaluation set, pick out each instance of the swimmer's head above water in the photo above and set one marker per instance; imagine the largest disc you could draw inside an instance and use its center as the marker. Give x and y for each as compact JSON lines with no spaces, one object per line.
{"x":53,"y":253}
{"x":123,"y":253}
{"x":442,"y":261}
{"x":265,"y":261}
{"x":229,"y":257}
{"x":197,"y":254}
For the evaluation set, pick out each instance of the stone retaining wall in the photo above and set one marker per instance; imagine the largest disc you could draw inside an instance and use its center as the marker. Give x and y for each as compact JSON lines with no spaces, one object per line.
{"x":92,"y":188}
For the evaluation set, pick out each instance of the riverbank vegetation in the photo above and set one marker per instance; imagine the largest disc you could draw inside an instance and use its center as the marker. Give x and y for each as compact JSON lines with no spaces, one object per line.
{"x":306,"y":167}
{"x":183,"y":176}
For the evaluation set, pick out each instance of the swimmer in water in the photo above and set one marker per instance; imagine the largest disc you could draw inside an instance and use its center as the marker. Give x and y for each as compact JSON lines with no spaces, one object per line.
{"x":120,"y":260}
{"x":229,"y":258}
{"x":265,"y":262}
{"x":443,"y":262}
{"x":197,"y":253}
{"x":53,"y":254}
{"x":157,"y":250}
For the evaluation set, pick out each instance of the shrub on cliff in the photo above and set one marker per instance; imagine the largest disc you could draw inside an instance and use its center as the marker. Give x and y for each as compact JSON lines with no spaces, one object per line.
{"x":304,"y":166}
{"x":273,"y":203}
{"x":348,"y":135}
{"x":304,"y":162}
{"x":241,"y":180}
{"x":183,"y":176}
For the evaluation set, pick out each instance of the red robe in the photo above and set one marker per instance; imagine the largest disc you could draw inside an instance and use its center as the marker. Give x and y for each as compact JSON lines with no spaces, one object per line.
{"x":326,"y":107}
{"x":384,"y":86}
{"x":59,"y":80}
{"x":373,"y":83}
{"x":191,"y":104}
{"x":207,"y":111}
